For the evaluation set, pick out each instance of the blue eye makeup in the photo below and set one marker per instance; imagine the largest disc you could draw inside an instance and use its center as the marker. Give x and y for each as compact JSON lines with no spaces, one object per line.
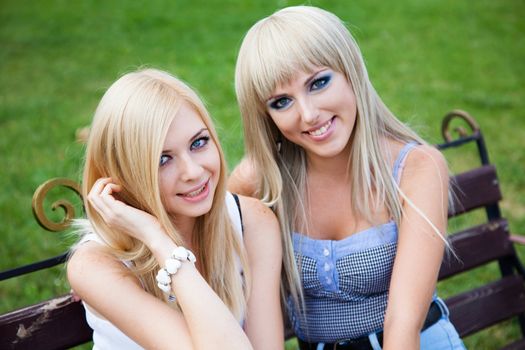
{"x":280,"y":103}
{"x":164,"y":159}
{"x":321,"y":82}
{"x":199,"y":143}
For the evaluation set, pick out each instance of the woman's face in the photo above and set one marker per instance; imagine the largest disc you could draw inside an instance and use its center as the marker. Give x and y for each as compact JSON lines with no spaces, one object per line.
{"x":189,"y":166}
{"x":315,"y":110}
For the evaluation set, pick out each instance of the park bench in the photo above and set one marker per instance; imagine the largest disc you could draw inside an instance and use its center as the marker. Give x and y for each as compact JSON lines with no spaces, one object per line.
{"x":60,"y":322}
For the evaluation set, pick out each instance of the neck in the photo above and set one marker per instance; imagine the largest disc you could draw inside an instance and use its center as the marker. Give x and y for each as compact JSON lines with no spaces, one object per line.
{"x":330,"y":166}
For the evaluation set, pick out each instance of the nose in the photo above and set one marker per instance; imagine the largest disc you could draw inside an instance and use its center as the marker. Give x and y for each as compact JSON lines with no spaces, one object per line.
{"x":189,"y":168}
{"x":308,"y":111}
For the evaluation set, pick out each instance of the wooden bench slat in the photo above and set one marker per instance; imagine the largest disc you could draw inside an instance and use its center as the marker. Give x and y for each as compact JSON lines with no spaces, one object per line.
{"x":476,"y":246}
{"x":58,"y":323}
{"x":518,"y":345}
{"x":485,"y":306}
{"x":474,"y":189}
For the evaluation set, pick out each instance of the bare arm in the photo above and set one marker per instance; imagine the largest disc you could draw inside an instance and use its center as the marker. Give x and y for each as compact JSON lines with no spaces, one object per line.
{"x":105,"y":285}
{"x":264,"y":324}
{"x":420,"y":249}
{"x":243,"y":179}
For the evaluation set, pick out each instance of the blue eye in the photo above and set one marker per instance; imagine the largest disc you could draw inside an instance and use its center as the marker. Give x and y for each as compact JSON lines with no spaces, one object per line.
{"x":164,"y":159}
{"x":199,"y":143}
{"x":320,"y":83}
{"x":280,"y":103}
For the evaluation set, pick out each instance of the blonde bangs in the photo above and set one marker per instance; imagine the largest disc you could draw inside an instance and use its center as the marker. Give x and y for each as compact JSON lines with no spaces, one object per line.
{"x":278,"y":47}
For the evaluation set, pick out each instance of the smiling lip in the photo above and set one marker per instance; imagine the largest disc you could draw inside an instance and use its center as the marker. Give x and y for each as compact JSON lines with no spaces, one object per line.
{"x":322,"y":131}
{"x":197,"y":194}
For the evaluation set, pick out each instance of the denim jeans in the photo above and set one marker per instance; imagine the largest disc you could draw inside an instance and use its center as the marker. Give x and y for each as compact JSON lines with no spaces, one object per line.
{"x":440,"y":336}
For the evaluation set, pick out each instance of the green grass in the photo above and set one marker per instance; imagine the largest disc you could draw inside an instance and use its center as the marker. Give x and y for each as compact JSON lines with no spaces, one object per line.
{"x":57,"y":57}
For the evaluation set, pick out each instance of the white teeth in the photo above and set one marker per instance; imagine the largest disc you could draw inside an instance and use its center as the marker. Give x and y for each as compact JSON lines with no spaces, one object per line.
{"x":196,"y":192}
{"x":321,"y":130}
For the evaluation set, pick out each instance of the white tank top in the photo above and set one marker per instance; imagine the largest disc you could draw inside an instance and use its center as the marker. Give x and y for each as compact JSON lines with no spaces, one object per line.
{"x":105,"y":335}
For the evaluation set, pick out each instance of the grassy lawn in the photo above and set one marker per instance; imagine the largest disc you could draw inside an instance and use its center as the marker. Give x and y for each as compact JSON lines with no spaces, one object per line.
{"x":57,"y":57}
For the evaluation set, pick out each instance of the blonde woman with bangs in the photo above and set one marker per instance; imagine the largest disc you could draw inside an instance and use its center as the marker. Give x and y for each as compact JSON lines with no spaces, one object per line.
{"x":168,"y":259}
{"x":361,"y":198}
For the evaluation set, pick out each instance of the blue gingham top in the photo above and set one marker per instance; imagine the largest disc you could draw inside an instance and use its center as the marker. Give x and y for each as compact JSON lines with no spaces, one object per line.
{"x":346,"y":282}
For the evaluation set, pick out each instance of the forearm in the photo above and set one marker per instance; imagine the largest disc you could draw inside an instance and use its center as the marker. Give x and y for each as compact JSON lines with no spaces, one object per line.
{"x":401,"y":335}
{"x":210,"y":322}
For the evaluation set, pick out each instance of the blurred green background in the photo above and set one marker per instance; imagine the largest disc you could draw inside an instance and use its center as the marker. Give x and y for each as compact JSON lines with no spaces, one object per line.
{"x":57,"y":58}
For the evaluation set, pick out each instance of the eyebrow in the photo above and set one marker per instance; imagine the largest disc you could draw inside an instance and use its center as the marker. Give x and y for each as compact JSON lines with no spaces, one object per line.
{"x":191,"y":139}
{"x":198,"y":133}
{"x":306,"y":83}
{"x":313,"y":76}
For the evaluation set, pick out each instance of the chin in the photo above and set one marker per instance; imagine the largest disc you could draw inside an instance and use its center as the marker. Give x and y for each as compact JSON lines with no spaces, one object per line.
{"x":330,"y":152}
{"x":204,"y":208}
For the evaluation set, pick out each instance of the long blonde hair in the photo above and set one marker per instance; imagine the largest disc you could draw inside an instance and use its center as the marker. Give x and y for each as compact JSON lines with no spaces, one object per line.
{"x":125,"y":143}
{"x":276,"y":48}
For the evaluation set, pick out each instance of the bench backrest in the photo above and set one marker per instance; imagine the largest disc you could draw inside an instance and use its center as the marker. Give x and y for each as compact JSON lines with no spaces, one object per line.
{"x":478,"y":188}
{"x":60,"y":322}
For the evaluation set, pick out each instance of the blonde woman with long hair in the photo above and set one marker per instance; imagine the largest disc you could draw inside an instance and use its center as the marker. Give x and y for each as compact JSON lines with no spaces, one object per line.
{"x":361,"y":198}
{"x":166,"y":259}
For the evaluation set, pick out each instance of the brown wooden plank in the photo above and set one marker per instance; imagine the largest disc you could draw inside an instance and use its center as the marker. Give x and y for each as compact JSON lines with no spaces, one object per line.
{"x":518,"y":345}
{"x":58,"y":323}
{"x":474,"y":189}
{"x":485,"y":306}
{"x":476,"y":246}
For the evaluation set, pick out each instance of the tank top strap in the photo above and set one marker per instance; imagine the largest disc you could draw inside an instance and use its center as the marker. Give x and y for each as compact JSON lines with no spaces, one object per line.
{"x":234,"y":209}
{"x":400,"y":160}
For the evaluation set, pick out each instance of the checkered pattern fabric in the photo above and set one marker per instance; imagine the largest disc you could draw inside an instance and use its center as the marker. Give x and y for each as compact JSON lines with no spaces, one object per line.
{"x":357,"y":304}
{"x":346,"y":282}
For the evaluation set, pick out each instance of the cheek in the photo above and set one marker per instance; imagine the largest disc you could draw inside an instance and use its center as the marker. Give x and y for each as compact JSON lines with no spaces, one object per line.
{"x":214,"y":161}
{"x":283,"y":122}
{"x":167,"y":178}
{"x":350,"y":97}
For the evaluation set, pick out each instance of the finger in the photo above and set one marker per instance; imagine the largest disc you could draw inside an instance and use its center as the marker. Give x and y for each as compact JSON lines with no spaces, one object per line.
{"x":98,"y":186}
{"x":110,"y":207}
{"x":94,"y":196}
{"x":75,"y":296}
{"x":110,"y":188}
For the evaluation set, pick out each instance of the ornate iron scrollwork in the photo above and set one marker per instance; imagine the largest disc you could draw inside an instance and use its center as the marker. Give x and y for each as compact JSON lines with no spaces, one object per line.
{"x":446,"y":133}
{"x":38,"y":204}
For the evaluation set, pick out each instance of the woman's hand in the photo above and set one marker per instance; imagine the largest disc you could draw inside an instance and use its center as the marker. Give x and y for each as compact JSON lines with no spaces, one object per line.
{"x":118,"y":215}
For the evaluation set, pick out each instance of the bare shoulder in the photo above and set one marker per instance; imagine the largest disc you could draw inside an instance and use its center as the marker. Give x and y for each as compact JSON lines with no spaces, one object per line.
{"x":426,"y":157}
{"x":260,"y":223}
{"x":89,"y":262}
{"x":425,"y":165}
{"x":243,"y":179}
{"x":88,"y":253}
{"x":255,"y":213}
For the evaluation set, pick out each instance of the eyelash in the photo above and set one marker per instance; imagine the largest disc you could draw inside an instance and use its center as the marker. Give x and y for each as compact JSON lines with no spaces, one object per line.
{"x":283,"y":102}
{"x":164,"y":158}
{"x":278,"y":103}
{"x":324,"y":80}
{"x":204,"y":139}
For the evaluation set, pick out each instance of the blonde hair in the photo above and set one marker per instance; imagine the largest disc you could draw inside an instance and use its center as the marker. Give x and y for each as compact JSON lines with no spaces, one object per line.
{"x":273,"y":51}
{"x":125,"y":143}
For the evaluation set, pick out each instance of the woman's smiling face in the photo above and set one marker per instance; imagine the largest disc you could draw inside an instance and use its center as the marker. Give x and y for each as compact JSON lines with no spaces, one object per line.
{"x":315,"y":110}
{"x":189,"y":166}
